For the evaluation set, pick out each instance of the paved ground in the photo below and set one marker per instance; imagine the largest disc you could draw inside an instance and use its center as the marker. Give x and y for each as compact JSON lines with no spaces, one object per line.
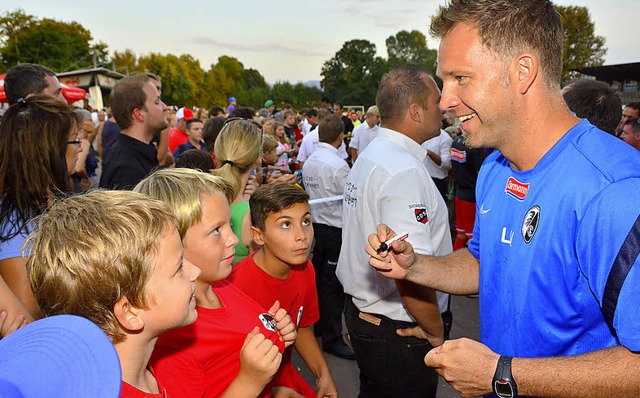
{"x":345,"y":373}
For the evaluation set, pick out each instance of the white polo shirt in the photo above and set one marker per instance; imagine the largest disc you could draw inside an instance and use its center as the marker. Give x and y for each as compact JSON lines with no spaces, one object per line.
{"x":389,"y":184}
{"x":362,"y":136}
{"x":310,"y":143}
{"x":324,"y":174}
{"x":442,"y":146}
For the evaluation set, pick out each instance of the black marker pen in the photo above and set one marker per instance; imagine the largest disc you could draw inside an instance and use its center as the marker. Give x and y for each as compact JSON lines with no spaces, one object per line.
{"x":384,"y":246}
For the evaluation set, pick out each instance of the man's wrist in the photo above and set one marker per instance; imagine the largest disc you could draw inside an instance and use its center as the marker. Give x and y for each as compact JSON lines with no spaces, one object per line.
{"x":503,"y":384}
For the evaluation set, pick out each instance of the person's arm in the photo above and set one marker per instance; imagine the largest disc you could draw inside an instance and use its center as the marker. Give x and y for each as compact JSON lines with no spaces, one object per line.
{"x":100,"y":141}
{"x":13,"y":315}
{"x":307,"y":346}
{"x":455,"y":273}
{"x":422,"y":303}
{"x":81,"y":162}
{"x":164,"y":157}
{"x":354,"y":154}
{"x":469,"y":367}
{"x":14,"y":273}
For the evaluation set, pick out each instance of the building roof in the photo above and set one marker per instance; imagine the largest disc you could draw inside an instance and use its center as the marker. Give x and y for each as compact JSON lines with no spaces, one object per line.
{"x":611,"y":73}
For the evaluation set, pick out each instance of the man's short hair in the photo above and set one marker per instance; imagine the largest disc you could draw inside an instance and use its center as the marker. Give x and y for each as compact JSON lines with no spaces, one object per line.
{"x":373,"y":110}
{"x":216,"y":111}
{"x":635,"y":125}
{"x":286,"y":106}
{"x":595,"y":101}
{"x":286,"y":114}
{"x":510,"y":27}
{"x":243,"y":112}
{"x":272,"y":198}
{"x":339,"y":104}
{"x":330,"y":129}
{"x":634,"y":105}
{"x":191,"y":121}
{"x":182,"y":190}
{"x":91,"y":250}
{"x":323,"y":112}
{"x":398,"y":89}
{"x":25,"y":79}
{"x":127,"y":95}
{"x":326,"y":100}
{"x":312,"y":113}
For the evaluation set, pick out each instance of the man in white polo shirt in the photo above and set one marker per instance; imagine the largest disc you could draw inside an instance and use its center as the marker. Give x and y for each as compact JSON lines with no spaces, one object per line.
{"x":364,"y":133}
{"x":390,"y":184}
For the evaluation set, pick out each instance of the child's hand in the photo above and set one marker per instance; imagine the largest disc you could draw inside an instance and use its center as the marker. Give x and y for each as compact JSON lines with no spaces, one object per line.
{"x":259,"y":359}
{"x":284,"y":392}
{"x":326,"y":386}
{"x":286,"y":328}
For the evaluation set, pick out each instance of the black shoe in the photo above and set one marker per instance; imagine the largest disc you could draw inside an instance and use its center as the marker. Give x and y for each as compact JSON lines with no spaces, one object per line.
{"x":339,"y":349}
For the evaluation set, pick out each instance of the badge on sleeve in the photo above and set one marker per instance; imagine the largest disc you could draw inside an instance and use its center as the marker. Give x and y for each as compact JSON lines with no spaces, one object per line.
{"x":421,"y":215}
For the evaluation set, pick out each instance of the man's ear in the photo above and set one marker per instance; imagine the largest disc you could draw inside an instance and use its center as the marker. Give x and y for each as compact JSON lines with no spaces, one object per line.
{"x":525,"y":69}
{"x":137,"y":115}
{"x":128,"y":315}
{"x":415,"y":113}
{"x":257,"y":235}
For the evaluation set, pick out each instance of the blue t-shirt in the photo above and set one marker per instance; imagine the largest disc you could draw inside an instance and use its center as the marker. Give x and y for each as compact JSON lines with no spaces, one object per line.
{"x":12,"y":247}
{"x":546,"y":239}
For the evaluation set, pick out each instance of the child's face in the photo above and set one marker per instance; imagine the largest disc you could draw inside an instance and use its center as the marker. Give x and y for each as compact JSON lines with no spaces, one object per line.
{"x":280,"y":131}
{"x":210,"y":244}
{"x":270,"y":157}
{"x":288,"y":234}
{"x":195,"y":131}
{"x":169,"y":292}
{"x":267,"y":125}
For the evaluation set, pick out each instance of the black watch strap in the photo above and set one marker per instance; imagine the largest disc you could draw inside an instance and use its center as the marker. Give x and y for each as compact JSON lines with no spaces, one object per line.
{"x":504,"y":386}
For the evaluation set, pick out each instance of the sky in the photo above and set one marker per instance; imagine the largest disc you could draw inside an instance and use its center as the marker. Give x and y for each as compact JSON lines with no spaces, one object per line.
{"x":284,"y":40}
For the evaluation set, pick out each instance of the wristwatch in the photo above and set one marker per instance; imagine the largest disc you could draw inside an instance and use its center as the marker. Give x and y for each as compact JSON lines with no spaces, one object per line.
{"x":503,"y":384}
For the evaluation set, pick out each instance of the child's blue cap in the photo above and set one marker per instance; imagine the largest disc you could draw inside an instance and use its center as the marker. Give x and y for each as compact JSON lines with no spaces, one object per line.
{"x":59,"y":356}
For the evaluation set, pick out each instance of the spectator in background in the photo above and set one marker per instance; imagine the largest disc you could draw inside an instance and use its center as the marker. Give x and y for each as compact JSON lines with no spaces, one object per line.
{"x":232,"y":105}
{"x":216,"y":111}
{"x":310,"y":121}
{"x":338,"y":109}
{"x":271,"y":108}
{"x":84,"y":176}
{"x":631,"y":133}
{"x":353,"y":115}
{"x":194,"y":131}
{"x":195,"y":159}
{"x":140,"y":112}
{"x":630,"y":111}
{"x":210,"y":132}
{"x":279,"y":116}
{"x":25,"y":80}
{"x":595,"y":101}
{"x":364,"y":133}
{"x":178,"y":135}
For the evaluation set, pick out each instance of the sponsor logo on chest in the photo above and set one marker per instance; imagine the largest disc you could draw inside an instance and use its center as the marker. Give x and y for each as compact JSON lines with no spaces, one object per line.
{"x":458,"y":155}
{"x":516,"y":189}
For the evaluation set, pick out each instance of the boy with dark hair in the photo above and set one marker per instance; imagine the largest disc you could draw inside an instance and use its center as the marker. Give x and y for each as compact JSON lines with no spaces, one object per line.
{"x":25,"y":80}
{"x":115,"y":258}
{"x":280,"y":270}
{"x":194,"y":132}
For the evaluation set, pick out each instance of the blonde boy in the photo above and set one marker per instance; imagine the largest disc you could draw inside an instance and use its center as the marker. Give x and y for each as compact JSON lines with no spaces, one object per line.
{"x":280,"y":270}
{"x":223,"y":353}
{"x":115,"y":257}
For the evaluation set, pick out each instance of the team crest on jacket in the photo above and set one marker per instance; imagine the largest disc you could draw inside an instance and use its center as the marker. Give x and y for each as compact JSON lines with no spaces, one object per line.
{"x":530,"y":223}
{"x":458,"y":155}
{"x":517,"y":189}
{"x":421,"y":215}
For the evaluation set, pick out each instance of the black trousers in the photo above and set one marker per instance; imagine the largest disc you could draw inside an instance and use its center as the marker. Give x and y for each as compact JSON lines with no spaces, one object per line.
{"x":443,"y":186}
{"x":390,"y":365}
{"x":330,"y":291}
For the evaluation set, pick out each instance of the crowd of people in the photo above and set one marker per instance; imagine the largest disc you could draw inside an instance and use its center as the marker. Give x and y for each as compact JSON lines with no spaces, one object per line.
{"x":221,"y":240}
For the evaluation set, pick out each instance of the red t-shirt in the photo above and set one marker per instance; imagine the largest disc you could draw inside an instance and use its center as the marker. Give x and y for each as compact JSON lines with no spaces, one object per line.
{"x":176,"y":138}
{"x":202,"y":359}
{"x":129,"y":391}
{"x":297,"y":294}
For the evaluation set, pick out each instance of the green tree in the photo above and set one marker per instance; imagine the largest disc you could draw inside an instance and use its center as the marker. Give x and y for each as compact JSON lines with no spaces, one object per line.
{"x":125,"y":62}
{"x":59,"y":45}
{"x":410,"y":48}
{"x":182,"y":77}
{"x":582,"y":47}
{"x":353,"y":74}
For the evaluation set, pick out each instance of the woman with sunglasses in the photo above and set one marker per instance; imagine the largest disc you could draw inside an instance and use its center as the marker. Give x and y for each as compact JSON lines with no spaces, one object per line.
{"x":38,"y":152}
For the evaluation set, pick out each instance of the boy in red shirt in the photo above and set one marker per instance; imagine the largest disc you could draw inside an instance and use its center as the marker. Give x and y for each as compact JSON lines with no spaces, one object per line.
{"x":280,"y":270}
{"x":232,"y":350}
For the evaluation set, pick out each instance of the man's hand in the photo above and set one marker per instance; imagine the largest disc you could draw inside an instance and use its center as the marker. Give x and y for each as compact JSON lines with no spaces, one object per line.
{"x":251,"y":186}
{"x":395,"y":263}
{"x":467,"y":365}
{"x":420,"y":333}
{"x":286,"y":178}
{"x":7,"y":326}
{"x":285,"y":326}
